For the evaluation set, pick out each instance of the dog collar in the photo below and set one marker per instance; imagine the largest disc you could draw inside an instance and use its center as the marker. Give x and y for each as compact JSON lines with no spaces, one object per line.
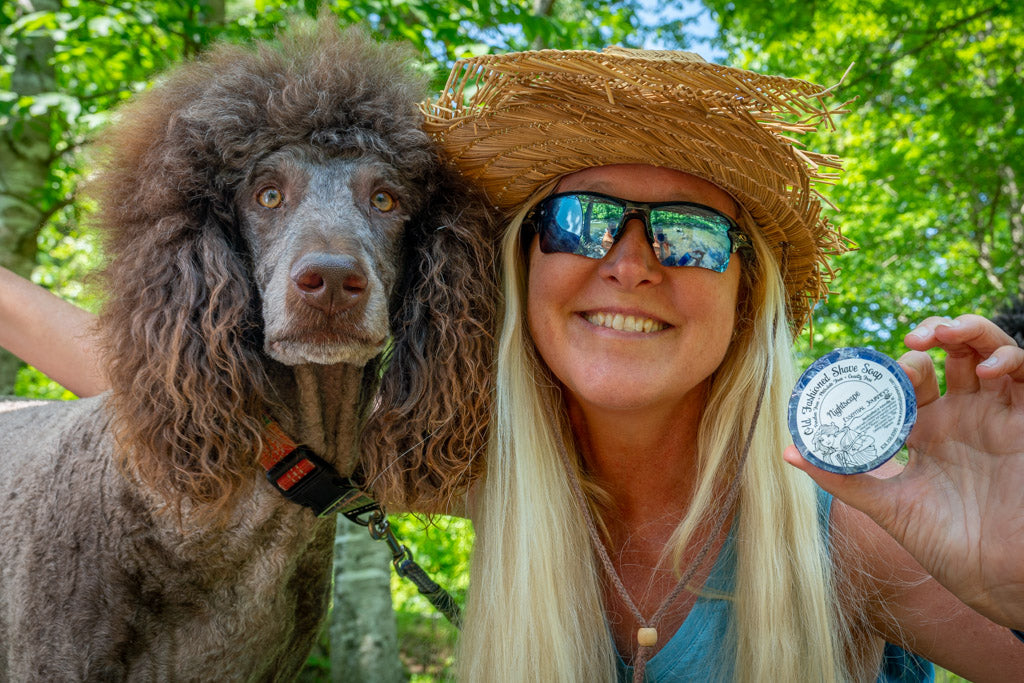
{"x":303,"y":477}
{"x":307,"y":479}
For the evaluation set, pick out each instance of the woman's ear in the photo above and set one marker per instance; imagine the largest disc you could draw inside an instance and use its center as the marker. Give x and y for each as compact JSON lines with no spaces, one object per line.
{"x":430,"y":419}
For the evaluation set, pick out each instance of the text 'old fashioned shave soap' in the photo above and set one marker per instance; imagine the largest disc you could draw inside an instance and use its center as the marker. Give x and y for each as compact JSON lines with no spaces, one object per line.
{"x":851,"y":410}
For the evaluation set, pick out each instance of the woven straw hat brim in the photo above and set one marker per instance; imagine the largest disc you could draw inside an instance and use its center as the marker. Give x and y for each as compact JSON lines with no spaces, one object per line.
{"x":515,"y":122}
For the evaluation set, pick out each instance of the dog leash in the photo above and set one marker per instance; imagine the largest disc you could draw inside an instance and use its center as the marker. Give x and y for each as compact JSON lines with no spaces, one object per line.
{"x":305,"y":478}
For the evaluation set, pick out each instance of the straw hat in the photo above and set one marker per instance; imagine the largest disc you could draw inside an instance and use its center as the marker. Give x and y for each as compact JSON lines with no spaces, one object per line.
{"x":514,"y":123}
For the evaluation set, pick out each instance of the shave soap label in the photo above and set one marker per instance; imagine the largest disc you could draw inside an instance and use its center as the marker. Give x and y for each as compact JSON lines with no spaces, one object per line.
{"x":852,"y":410}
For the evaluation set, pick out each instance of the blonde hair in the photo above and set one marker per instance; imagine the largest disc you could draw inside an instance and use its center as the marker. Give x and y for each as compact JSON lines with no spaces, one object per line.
{"x":535,"y":609}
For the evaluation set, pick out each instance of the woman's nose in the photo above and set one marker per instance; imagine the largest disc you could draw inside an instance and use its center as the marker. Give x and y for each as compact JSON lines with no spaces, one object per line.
{"x":631,"y":261}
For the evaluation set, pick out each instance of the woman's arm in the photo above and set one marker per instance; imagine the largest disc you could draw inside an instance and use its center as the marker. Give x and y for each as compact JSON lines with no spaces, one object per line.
{"x":907,"y":607}
{"x":49,"y":333}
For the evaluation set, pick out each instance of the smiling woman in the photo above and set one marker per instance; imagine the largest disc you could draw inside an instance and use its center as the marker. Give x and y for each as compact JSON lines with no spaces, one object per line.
{"x":664,"y":240}
{"x":689,"y":312}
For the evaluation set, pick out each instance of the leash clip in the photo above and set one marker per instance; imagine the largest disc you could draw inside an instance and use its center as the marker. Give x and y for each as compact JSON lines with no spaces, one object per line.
{"x":380,"y":530}
{"x":407,"y":568}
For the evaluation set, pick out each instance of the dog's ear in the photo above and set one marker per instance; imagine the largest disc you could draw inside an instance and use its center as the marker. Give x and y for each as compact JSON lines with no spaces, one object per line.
{"x":428,"y":427}
{"x":180,"y":328}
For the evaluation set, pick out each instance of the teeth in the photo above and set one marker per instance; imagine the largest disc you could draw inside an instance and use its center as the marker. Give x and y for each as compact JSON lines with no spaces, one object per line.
{"x":628,"y":323}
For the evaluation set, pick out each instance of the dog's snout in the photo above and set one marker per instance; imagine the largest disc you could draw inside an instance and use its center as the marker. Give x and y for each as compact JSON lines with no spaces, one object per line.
{"x":329,"y":282}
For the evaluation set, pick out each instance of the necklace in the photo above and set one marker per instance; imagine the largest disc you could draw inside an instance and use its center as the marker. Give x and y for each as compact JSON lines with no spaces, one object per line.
{"x":647,"y":634}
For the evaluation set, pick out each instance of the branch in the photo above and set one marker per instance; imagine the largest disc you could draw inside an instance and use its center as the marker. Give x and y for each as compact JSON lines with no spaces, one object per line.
{"x":542,"y":8}
{"x":45,"y":216}
{"x":1016,"y":219}
{"x":935,"y":35}
{"x":985,"y":261}
{"x":993,"y":206}
{"x":983,"y":237}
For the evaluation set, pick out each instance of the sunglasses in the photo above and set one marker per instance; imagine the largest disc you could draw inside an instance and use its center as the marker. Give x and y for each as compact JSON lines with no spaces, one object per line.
{"x":681,"y":233}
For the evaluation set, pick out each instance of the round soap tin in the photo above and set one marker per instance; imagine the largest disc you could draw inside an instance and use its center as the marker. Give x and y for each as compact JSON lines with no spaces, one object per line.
{"x":852,"y":410}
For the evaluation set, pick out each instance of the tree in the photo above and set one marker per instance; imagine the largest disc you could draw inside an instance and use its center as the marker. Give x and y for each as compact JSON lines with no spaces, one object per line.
{"x":65,"y":66}
{"x":932,"y":194}
{"x":363,"y":632}
{"x":25,"y":159}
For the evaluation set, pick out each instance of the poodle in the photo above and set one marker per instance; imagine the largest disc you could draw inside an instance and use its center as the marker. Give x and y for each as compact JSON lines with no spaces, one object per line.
{"x":284,"y":244}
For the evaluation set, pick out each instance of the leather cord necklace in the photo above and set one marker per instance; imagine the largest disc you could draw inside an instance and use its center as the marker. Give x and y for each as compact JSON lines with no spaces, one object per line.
{"x":647,"y":634}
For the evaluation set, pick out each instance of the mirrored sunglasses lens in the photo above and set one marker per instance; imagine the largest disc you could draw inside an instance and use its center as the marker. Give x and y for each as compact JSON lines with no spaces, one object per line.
{"x":690,"y":237}
{"x":602,"y":219}
{"x":561,"y":226}
{"x":579,"y":224}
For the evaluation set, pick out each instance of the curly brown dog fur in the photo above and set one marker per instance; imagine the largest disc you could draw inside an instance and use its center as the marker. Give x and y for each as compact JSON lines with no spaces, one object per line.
{"x":272,"y":217}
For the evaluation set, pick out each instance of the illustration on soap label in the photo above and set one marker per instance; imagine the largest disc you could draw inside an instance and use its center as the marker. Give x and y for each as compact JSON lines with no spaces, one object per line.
{"x":849,"y":414}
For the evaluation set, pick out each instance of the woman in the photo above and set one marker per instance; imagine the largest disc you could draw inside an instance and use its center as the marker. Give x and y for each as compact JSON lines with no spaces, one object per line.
{"x":654,"y":388}
{"x":664,"y":243}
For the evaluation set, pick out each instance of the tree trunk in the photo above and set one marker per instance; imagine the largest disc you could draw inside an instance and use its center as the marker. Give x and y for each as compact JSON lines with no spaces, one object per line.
{"x":25,"y":155}
{"x":541,"y":8}
{"x":363,"y":632}
{"x":215,"y":12}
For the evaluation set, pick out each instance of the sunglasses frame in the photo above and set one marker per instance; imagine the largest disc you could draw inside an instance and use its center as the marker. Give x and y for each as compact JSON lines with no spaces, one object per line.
{"x":642,"y":210}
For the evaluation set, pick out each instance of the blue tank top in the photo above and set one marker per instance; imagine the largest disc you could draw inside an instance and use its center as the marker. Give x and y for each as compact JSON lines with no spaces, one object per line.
{"x":701,"y":648}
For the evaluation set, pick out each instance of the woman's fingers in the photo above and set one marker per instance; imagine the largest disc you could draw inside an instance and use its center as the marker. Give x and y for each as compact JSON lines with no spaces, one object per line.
{"x":967,"y":333}
{"x":921,"y":371}
{"x":1005,"y":361}
{"x":967,"y":340}
{"x":922,"y":337}
{"x":864,"y":492}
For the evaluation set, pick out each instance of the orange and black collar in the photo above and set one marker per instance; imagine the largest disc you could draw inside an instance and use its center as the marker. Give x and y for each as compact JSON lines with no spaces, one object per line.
{"x":303,"y":477}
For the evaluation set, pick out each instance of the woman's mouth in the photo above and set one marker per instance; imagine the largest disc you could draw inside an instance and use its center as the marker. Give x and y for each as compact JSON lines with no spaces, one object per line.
{"x":625,"y":323}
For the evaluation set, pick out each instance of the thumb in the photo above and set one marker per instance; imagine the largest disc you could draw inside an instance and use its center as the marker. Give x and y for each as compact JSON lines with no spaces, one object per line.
{"x":864,"y":492}
{"x":921,"y":372}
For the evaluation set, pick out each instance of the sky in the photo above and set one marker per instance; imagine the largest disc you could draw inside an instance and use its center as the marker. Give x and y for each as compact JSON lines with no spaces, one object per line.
{"x":700,"y":32}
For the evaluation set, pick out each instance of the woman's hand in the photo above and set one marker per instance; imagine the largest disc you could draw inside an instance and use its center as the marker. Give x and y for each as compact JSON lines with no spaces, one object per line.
{"x":958,"y":505}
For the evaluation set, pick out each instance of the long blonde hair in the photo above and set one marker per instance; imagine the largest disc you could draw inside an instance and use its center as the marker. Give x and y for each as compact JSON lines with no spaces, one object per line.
{"x":535,"y":609}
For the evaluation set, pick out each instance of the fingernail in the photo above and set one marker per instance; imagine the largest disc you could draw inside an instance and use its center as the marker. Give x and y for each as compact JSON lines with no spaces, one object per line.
{"x":922,"y":332}
{"x":990,"y":362}
{"x":949,"y":323}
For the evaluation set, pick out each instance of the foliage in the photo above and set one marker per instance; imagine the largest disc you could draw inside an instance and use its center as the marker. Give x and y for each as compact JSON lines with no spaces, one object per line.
{"x":934,"y":143}
{"x":933,"y":146}
{"x":441,"y":545}
{"x":65,"y":263}
{"x":103,"y":52}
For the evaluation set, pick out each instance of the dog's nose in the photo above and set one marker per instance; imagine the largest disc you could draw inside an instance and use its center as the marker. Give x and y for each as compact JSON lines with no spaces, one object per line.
{"x":329,"y":282}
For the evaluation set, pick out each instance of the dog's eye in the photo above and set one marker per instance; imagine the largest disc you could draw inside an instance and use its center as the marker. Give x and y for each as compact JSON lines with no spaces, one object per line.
{"x":270,"y":197}
{"x":383,"y":201}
